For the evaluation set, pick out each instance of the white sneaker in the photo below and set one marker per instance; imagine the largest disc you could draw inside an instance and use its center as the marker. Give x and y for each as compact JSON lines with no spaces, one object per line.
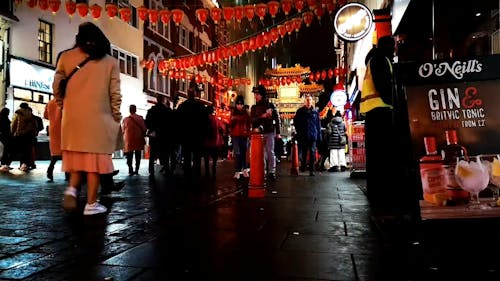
{"x":23,"y":168}
{"x":94,"y":209}
{"x":69,"y":203}
{"x":236,"y":175}
{"x":4,"y":168}
{"x":245,"y":173}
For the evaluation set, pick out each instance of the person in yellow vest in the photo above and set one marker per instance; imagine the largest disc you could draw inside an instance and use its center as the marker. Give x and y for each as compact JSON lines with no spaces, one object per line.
{"x":377,"y":101}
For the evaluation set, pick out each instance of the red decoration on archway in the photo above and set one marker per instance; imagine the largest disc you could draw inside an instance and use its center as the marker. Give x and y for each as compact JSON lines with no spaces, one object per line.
{"x":83,"y":9}
{"x":177,"y":16}
{"x":95,"y":11}
{"x":70,"y":7}
{"x":54,"y":6}
{"x":286,"y":6}
{"x":142,"y":12}
{"x":165,"y":16}
{"x":216,"y":14}
{"x":111,"y":10}
{"x":125,"y":14}
{"x":43,"y":4}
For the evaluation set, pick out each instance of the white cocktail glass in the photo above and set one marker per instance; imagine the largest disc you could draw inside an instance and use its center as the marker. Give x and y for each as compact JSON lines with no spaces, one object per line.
{"x":473,"y":177}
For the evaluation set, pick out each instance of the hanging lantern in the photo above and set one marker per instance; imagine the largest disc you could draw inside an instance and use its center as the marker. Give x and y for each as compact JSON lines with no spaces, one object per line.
{"x":197,"y":78}
{"x":311,"y":76}
{"x":330,"y":7}
{"x":323,"y":75}
{"x":32,"y":3}
{"x":249,"y":12}
{"x":70,"y":7}
{"x":240,"y":49}
{"x":153,"y":16}
{"x":297,"y":24}
{"x":249,"y":82}
{"x":228,"y":13}
{"x":330,"y":73}
{"x":177,"y":15}
{"x":266,"y":38}
{"x":54,"y":6}
{"x":273,"y":7}
{"x":95,"y":11}
{"x":83,"y":9}
{"x":43,"y":4}
{"x":245,"y":45}
{"x":319,"y":12}
{"x":286,"y":6}
{"x":251,"y":44}
{"x":142,"y":12}
{"x":233,"y":51}
{"x":311,"y":4}
{"x":216,"y":14}
{"x":317,"y":76}
{"x":111,"y":10}
{"x":282,"y":30}
{"x":260,"y":10}
{"x":125,"y":14}
{"x":239,"y":12}
{"x":202,"y":15}
{"x":289,"y":27}
{"x":299,"y":5}
{"x":308,"y":18}
{"x":274,"y":34}
{"x":259,"y":41}
{"x":165,"y":16}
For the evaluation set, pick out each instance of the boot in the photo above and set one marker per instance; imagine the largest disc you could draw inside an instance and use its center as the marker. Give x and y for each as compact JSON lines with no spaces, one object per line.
{"x":136,"y":169}
{"x":130,"y":170}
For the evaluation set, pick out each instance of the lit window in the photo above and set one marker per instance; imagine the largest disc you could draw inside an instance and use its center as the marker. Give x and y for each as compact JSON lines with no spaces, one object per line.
{"x":45,"y":41}
{"x":127,"y":61}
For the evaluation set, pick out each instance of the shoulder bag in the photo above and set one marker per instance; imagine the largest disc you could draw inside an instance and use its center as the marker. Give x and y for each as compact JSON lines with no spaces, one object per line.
{"x":343,"y":139}
{"x":64,"y":82}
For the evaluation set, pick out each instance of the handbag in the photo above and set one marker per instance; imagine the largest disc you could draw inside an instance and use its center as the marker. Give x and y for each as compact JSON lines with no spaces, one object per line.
{"x":343,"y":138}
{"x":64,"y":82}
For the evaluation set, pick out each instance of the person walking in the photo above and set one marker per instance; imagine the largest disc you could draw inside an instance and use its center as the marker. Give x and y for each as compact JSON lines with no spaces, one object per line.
{"x":53,"y":113}
{"x":265,"y":115}
{"x":91,"y":114}
{"x":134,"y":131}
{"x":159,"y":122}
{"x":239,"y":128}
{"x":308,"y":127}
{"x":336,"y":131}
{"x":6,"y":139}
{"x":24,"y":129}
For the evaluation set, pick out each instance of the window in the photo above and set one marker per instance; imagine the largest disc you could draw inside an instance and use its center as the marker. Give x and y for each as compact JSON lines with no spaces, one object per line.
{"x":126,"y":4}
{"x":184,"y":37}
{"x":159,"y":28}
{"x":127,"y":61}
{"x":45,"y":41}
{"x":156,"y":81}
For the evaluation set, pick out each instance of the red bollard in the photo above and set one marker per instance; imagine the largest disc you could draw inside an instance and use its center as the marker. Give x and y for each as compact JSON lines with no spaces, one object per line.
{"x":294,"y":171}
{"x":256,"y":184}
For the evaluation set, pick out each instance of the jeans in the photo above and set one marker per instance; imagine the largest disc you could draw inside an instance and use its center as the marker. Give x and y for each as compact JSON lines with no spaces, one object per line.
{"x":240,"y":146}
{"x":269,"y":156}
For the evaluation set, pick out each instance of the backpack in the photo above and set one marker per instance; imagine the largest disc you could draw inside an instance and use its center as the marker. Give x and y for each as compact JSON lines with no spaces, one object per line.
{"x":39,"y":123}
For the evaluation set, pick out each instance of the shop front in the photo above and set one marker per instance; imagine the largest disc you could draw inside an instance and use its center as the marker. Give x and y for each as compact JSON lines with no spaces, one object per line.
{"x":30,"y":82}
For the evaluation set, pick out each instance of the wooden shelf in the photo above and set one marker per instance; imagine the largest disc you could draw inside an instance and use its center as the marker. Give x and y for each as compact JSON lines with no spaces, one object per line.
{"x":429,"y":211}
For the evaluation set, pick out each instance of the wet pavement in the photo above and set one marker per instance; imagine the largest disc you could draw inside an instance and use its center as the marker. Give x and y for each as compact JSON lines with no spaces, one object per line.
{"x":172,"y":228}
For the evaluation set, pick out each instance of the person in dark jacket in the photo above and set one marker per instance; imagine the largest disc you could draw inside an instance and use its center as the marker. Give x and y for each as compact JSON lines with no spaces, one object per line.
{"x":264,"y":115}
{"x":24,"y":129}
{"x":239,"y":128}
{"x":336,"y":129}
{"x":158,"y":119}
{"x":308,"y":127}
{"x":6,"y":139}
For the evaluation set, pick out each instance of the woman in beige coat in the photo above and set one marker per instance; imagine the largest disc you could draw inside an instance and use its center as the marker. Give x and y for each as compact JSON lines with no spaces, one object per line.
{"x":53,"y":113}
{"x":91,"y":114}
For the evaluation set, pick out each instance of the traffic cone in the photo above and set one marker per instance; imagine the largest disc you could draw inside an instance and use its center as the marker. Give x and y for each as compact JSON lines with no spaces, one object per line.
{"x":294,"y":171}
{"x":256,"y":182}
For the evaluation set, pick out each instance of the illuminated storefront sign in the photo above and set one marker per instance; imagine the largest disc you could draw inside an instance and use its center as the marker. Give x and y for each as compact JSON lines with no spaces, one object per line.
{"x":31,"y":76}
{"x":353,"y":21}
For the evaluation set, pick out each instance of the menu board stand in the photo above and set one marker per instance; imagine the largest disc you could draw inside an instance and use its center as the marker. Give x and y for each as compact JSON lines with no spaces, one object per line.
{"x":357,"y":150}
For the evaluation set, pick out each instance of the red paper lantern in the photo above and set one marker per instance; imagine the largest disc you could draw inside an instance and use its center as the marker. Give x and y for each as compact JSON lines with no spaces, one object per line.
{"x":311,"y":4}
{"x":286,"y":6}
{"x":216,"y":14}
{"x":336,"y":71}
{"x":32,"y":3}
{"x":165,"y":16}
{"x":289,"y":27}
{"x":274,"y":34}
{"x":197,"y":78}
{"x":228,"y":14}
{"x":317,"y":76}
{"x":142,"y":12}
{"x":330,"y":73}
{"x":308,"y":18}
{"x":153,"y":16}
{"x":70,"y":7}
{"x":273,"y":7}
{"x":202,"y":15}
{"x":177,"y":15}
{"x":297,"y":24}
{"x":125,"y":14}
{"x":251,"y":44}
{"x":83,"y":9}
{"x":240,"y":50}
{"x":95,"y":11}
{"x":54,"y":6}
{"x":260,"y":10}
{"x":239,"y":12}
{"x":266,"y":38}
{"x":245,"y":45}
{"x":323,"y":75}
{"x":282,"y":30}
{"x":330,"y":7}
{"x":249,"y":12}
{"x":311,"y":77}
{"x":111,"y":10}
{"x":299,"y":5}
{"x":43,"y":4}
{"x":259,"y":41}
{"x":319,"y":12}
